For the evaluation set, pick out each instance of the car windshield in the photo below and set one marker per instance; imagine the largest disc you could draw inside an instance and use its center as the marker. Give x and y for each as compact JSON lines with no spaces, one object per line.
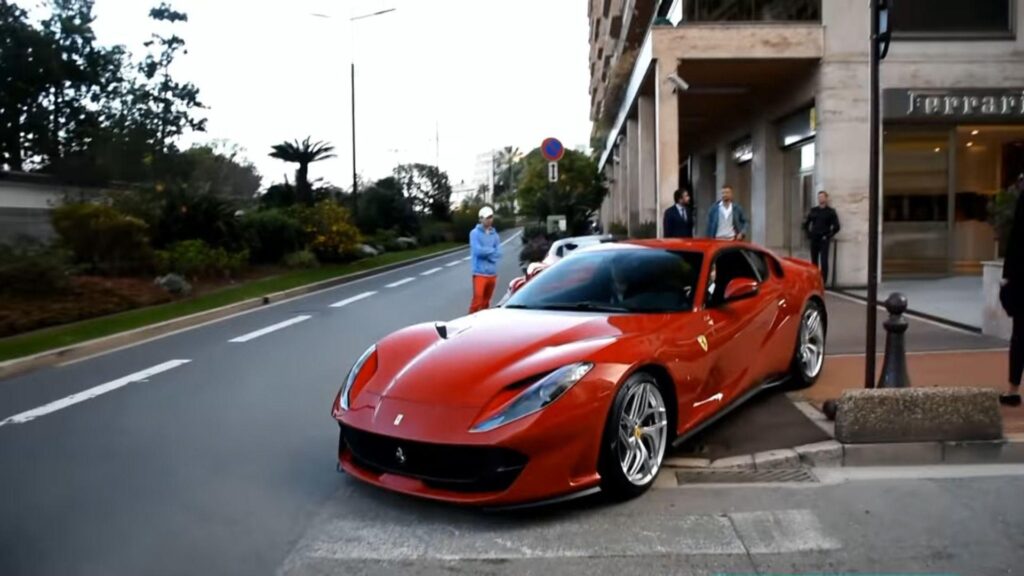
{"x":623,"y":280}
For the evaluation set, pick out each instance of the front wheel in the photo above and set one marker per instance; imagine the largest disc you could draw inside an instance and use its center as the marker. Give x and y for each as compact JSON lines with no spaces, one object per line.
{"x":635,"y":438}
{"x":809,"y":356}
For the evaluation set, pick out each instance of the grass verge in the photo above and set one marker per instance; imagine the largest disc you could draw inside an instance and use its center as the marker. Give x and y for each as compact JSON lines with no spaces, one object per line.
{"x":70,"y":334}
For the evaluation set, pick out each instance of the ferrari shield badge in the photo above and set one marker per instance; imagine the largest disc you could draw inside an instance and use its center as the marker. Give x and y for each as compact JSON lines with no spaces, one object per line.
{"x":703,"y":341}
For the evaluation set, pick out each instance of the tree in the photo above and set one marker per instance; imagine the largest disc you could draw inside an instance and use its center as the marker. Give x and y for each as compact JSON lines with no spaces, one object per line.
{"x":26,"y":72}
{"x":303,"y":153}
{"x":507,"y":171}
{"x":427,"y":187}
{"x":578,"y":194}
{"x":220,"y":169}
{"x":383,"y":206}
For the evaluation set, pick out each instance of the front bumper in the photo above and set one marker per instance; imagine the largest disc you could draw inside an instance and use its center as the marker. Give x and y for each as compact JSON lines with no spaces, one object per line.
{"x":547,"y":455}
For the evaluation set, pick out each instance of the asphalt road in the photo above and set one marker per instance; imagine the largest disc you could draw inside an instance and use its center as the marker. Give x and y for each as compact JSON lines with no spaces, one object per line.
{"x":214,"y":465}
{"x":212,"y":452}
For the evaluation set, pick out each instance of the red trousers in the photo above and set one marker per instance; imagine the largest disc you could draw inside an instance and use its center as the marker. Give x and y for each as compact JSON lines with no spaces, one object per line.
{"x":483,"y":290}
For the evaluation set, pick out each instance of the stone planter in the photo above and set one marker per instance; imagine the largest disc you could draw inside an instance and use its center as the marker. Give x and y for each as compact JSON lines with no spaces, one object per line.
{"x":994,"y":321}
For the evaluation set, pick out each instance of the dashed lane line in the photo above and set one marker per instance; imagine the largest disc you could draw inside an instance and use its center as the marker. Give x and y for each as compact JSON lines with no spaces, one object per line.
{"x":456,"y":263}
{"x":348,"y":301}
{"x":93,"y":392}
{"x":269,"y":329}
{"x":400,"y":283}
{"x":431,"y":271}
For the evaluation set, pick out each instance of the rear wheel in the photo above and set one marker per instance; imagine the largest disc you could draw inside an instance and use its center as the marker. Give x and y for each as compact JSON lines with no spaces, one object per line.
{"x":635,"y":438}
{"x":809,"y":356}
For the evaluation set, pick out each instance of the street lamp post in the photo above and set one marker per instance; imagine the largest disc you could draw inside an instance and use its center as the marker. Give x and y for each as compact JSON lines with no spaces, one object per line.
{"x":352,"y":74}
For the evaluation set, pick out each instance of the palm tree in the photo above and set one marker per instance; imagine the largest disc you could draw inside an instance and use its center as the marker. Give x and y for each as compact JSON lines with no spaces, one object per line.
{"x":506,"y":162}
{"x":303,"y":153}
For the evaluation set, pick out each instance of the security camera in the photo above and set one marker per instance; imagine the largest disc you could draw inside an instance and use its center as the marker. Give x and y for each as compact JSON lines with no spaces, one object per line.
{"x":678,"y":82}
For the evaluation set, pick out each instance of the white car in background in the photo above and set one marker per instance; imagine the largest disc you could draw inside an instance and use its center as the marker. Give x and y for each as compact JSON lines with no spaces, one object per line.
{"x":562,"y":248}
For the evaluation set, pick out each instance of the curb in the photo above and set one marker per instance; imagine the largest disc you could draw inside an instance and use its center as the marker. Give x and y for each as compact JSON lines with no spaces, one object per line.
{"x":834,"y":454}
{"x":81,"y":350}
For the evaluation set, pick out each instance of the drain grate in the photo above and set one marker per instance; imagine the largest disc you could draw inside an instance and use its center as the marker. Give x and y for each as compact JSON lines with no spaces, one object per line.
{"x":728,"y":476}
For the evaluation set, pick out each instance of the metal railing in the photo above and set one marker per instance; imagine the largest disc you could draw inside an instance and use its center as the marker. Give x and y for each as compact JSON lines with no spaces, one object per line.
{"x":695,"y":11}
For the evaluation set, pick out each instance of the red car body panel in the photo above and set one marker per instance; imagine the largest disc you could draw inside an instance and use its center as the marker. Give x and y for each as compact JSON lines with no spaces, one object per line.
{"x":430,"y":385}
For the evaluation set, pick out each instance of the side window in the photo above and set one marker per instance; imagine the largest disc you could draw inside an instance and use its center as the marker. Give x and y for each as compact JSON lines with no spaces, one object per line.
{"x":757,"y":259}
{"x":726,"y":267}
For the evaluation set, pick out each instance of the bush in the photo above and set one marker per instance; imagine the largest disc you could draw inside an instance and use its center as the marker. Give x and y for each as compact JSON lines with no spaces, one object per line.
{"x":647,"y":230}
{"x":103,"y":239}
{"x":329,"y":231}
{"x":198,"y":217}
{"x":196,"y":259}
{"x":434,"y":232}
{"x":31,"y":271}
{"x":617,"y":229}
{"x":387,"y":241}
{"x":302,"y":259}
{"x":271,"y":234}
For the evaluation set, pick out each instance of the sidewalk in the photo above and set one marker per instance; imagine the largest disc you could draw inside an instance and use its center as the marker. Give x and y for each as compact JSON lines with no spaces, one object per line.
{"x":957,"y":298}
{"x":985,"y":369}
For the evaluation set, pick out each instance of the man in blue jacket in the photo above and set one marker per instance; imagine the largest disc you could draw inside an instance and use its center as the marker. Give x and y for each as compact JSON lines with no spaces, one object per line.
{"x":726,"y":220}
{"x":485,"y":249}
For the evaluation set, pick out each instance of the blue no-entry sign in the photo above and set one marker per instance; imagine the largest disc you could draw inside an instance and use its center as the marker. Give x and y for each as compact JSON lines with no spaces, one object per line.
{"x":552,"y":149}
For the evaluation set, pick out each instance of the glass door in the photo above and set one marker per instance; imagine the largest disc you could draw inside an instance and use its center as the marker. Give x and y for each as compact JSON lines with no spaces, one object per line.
{"x":915,"y":202}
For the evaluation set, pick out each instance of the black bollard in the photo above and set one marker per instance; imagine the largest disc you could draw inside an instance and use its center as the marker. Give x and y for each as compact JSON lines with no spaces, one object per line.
{"x":894,"y":367}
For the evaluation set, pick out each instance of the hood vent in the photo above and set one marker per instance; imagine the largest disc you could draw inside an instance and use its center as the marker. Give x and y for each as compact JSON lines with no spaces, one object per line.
{"x":442,"y":330}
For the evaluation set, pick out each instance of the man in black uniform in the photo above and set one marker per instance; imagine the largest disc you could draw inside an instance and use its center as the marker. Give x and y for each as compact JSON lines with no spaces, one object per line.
{"x":1012,"y":297}
{"x":821,"y":225}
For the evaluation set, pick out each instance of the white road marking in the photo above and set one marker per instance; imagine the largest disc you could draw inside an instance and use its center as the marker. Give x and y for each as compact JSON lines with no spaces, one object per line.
{"x":92,"y":393}
{"x":431,"y":271}
{"x":269,"y":329}
{"x":467,"y":258}
{"x":348,"y":301}
{"x":456,"y":263}
{"x":400,"y":283}
{"x":781,"y":532}
{"x":336,"y":538}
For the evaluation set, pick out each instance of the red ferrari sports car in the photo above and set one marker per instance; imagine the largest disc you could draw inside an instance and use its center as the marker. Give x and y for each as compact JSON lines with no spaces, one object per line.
{"x":585,"y":377}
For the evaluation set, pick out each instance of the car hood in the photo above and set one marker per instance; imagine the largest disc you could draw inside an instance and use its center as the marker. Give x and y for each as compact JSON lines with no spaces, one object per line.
{"x":467,"y":361}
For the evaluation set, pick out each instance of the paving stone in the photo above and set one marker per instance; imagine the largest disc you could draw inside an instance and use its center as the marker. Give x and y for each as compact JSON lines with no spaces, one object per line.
{"x":893,"y":454}
{"x":775,"y":459}
{"x":687,"y":462}
{"x":745,"y":462}
{"x":828,"y":454}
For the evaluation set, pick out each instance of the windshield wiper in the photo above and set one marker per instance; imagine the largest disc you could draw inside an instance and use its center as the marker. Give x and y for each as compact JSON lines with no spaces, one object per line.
{"x":586,"y":306}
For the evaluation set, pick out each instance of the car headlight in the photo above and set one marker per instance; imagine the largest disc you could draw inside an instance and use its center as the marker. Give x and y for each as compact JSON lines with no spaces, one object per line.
{"x":346,"y":388}
{"x":537,"y":396}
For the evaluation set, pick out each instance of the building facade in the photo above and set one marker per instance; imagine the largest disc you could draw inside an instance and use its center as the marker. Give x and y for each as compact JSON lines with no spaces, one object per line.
{"x":772,"y":98}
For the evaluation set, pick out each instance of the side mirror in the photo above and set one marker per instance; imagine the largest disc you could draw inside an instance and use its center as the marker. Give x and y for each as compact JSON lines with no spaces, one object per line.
{"x":740,"y":289}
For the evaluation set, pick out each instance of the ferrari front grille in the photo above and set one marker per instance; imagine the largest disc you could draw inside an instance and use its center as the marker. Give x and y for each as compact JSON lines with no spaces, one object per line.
{"x":444,"y":466}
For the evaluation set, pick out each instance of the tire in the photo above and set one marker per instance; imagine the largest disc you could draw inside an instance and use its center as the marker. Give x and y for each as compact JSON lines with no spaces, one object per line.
{"x":621,"y":451}
{"x":809,"y":352}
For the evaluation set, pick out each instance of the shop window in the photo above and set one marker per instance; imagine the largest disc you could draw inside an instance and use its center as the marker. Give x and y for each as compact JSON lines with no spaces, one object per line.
{"x":926,"y":19}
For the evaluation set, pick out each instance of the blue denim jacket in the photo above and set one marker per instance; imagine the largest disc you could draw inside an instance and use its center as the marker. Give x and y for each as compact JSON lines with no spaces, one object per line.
{"x":485,"y":248}
{"x":739,"y":219}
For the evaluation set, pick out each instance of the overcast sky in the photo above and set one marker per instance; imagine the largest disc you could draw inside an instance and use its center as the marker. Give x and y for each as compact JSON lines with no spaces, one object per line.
{"x":486,"y":72}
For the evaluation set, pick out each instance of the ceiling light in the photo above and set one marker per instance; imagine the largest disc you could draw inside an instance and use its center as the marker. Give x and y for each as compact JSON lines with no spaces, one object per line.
{"x":974,"y":132}
{"x":969,"y":144}
{"x":937,"y":149}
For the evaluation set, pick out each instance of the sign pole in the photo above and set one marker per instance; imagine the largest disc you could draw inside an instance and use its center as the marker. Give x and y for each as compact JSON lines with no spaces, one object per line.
{"x":879,"y":9}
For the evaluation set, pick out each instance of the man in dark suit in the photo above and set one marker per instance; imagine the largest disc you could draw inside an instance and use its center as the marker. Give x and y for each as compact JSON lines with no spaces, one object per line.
{"x":679,"y":217}
{"x":1012,"y":297}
